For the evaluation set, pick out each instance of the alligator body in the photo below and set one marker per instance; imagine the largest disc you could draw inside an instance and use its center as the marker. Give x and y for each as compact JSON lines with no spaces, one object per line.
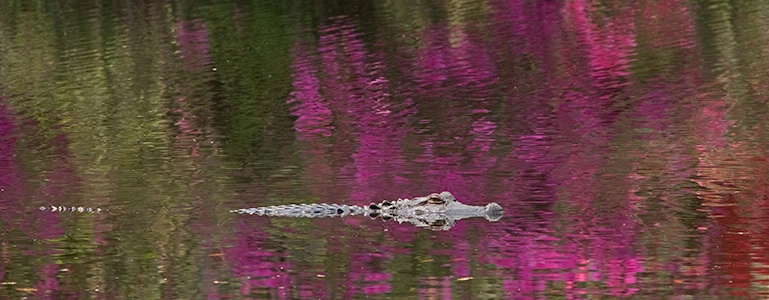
{"x":434,"y":211}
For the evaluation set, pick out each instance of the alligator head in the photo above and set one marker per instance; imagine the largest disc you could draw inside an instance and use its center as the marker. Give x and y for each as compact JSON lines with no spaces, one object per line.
{"x":434,"y":211}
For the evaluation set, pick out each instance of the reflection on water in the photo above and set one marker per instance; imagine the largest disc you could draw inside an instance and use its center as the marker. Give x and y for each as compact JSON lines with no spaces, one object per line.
{"x":626,"y":144}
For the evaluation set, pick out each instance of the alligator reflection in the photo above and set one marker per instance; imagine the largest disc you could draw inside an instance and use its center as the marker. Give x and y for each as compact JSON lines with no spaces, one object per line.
{"x":435,"y":211}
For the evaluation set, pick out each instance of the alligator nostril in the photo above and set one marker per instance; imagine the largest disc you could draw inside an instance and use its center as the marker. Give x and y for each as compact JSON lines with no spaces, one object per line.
{"x":493,"y":211}
{"x":493,"y":206}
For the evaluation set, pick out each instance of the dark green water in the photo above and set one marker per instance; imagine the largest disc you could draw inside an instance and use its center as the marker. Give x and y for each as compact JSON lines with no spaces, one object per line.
{"x":627,"y":144}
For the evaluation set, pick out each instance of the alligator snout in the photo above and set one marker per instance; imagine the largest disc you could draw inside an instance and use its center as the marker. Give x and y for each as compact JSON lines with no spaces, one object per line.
{"x":493,"y":212}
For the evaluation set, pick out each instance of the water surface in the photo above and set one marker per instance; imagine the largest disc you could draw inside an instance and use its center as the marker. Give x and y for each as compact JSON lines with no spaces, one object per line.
{"x":627,"y":143}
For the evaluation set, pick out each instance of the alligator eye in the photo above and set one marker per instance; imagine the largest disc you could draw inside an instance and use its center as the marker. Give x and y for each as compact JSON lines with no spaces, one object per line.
{"x":438,"y":223}
{"x":435,"y":199}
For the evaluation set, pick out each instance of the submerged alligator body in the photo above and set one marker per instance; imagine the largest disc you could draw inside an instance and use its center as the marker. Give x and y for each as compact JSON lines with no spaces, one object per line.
{"x":434,"y":211}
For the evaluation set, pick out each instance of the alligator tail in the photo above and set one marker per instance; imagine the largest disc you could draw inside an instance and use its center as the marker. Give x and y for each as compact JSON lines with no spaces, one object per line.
{"x":303,"y":210}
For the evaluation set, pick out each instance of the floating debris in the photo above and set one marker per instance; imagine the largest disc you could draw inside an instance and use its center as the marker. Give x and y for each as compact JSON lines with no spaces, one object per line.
{"x":78,"y":209}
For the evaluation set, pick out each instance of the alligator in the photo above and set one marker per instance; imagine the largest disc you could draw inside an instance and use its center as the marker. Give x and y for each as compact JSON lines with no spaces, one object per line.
{"x":437,"y":211}
{"x":434,"y":211}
